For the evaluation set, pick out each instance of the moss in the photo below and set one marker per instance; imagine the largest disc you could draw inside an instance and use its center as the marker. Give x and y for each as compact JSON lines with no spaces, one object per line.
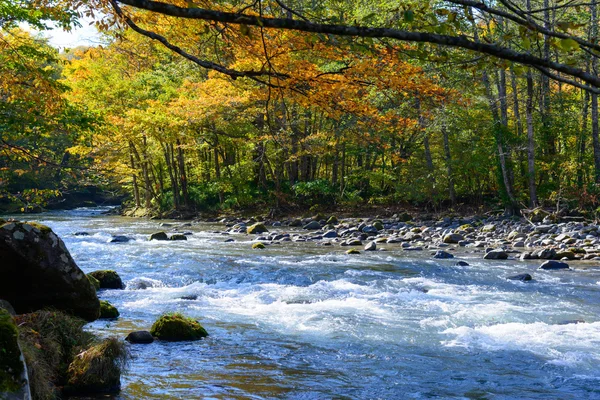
{"x":377,"y":224}
{"x":332,"y":220}
{"x":464,"y":227}
{"x":98,"y":369}
{"x":258,"y":245}
{"x":256,"y":229}
{"x":42,"y":228}
{"x":352,"y":251}
{"x":108,"y":279}
{"x":177,"y":327}
{"x":159,"y":236}
{"x":11,"y":366}
{"x":178,"y":236}
{"x":107,"y":310}
{"x":95,"y":282}
{"x":50,"y":340}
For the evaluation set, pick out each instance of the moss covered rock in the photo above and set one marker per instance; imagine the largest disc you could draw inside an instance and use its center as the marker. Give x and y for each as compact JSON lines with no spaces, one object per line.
{"x":352,"y":251}
{"x":176,"y":327}
{"x":97,"y":369}
{"x":378,"y":225}
{"x":258,"y":245}
{"x":37,"y":271}
{"x":108,"y":279}
{"x":159,"y":236}
{"x":256,"y":229}
{"x":11,"y":363}
{"x":107,"y":310}
{"x":332,"y":220}
{"x":178,"y":236}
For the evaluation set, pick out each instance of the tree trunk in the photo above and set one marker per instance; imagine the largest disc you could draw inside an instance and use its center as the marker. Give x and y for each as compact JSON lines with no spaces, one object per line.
{"x":136,"y":189}
{"x":533,"y":201}
{"x":448,"y":163}
{"x":183,"y":175}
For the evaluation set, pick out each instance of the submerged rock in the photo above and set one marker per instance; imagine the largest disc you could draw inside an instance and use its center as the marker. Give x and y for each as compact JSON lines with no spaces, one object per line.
{"x":119,"y":239}
{"x":441,"y":254}
{"x":141,"y":337}
{"x":497,"y":254}
{"x":520,"y":277}
{"x":352,"y":251}
{"x":108,"y":279}
{"x":37,"y":271}
{"x":176,"y":327}
{"x":462,"y":264}
{"x":178,"y":236}
{"x":258,"y":246}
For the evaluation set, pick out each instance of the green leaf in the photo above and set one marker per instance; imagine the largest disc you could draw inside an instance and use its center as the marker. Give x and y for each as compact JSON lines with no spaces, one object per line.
{"x":409,"y":15}
{"x":569,"y":44}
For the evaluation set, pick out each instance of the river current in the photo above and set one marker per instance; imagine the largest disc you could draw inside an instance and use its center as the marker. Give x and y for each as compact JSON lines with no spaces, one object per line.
{"x":304,"y":321}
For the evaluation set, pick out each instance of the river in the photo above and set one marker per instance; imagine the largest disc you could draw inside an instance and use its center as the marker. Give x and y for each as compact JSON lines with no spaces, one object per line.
{"x":304,"y":321}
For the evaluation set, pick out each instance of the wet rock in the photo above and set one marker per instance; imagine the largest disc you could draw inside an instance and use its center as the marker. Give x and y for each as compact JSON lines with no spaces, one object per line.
{"x":312,"y":226}
{"x":37,"y":271}
{"x":256,"y":229}
{"x":561,"y":255}
{"x":330,"y":234}
{"x":378,"y":225}
{"x":441,"y":254}
{"x":369,"y":229}
{"x":258,"y":246}
{"x":520,"y":277}
{"x":229,"y":240}
{"x":159,"y":236}
{"x":553,"y":265}
{"x":352,"y":251}
{"x":119,"y":239}
{"x":352,"y":242}
{"x":462,"y":264}
{"x":81,"y":234}
{"x":140,"y":337}
{"x":108,"y":279}
{"x":371,"y":246}
{"x":546,"y":254}
{"x":189,"y":297}
{"x":178,"y":236}
{"x":176,"y":327}
{"x":332,"y":220}
{"x":496,"y":254}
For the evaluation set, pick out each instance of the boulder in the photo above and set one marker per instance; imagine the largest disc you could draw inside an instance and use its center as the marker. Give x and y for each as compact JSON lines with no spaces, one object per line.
{"x":546,"y":254}
{"x":378,"y":225}
{"x":352,"y":251}
{"x":552,"y":265}
{"x":258,"y":245}
{"x":159,"y":236}
{"x":95,"y":282}
{"x":256,"y":229}
{"x":176,"y":327}
{"x":462,"y":264}
{"x":441,"y":254}
{"x":332,"y":220}
{"x":520,"y":277}
{"x":371,"y":246}
{"x":141,"y":337}
{"x":37,"y":271}
{"x":107,"y":310}
{"x":119,"y":239}
{"x":108,"y":279}
{"x":330,"y":234}
{"x":312,"y":226}
{"x":453,"y":238}
{"x":496,"y":254}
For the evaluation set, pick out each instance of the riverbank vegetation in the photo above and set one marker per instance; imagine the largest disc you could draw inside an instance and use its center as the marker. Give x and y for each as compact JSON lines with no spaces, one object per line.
{"x":207,"y":114}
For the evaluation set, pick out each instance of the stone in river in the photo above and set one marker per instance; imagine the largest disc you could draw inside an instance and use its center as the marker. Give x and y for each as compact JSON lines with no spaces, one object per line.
{"x":442,"y":254}
{"x":520,"y":277}
{"x":141,"y":337}
{"x":553,"y":265}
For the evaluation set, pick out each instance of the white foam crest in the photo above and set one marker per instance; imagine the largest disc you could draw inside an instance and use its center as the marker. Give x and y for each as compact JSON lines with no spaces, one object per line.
{"x":564,"y":345}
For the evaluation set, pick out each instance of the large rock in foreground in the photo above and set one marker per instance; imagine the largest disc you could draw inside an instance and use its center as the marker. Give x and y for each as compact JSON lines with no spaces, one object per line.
{"x":37,"y":271}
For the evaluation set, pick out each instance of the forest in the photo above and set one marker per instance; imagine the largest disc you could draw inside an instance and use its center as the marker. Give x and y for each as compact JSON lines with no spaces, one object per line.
{"x":285,"y":105}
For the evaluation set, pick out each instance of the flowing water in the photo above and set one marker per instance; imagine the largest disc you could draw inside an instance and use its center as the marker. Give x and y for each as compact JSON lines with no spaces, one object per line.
{"x":303,"y":321}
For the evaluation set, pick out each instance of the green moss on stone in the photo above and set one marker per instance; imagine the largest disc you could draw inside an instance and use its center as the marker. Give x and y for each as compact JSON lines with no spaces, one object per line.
{"x":258,"y":245}
{"x":352,"y":251}
{"x":95,"y":282}
{"x":108,"y":279}
{"x":107,"y":310}
{"x":256,"y":229}
{"x":98,"y":369}
{"x":42,"y":228}
{"x":177,"y":327}
{"x":11,"y":366}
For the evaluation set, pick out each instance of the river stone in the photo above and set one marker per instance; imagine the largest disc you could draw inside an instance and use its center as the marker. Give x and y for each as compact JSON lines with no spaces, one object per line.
{"x":119,"y":239}
{"x":546,"y":254}
{"x":552,"y":265}
{"x":256,"y":228}
{"x":497,"y":254}
{"x":369,"y":229}
{"x":312,"y":226}
{"x":330,"y":234}
{"x":38,"y":271}
{"x":332,"y":220}
{"x":176,"y":327}
{"x":441,"y":254}
{"x":462,"y":264}
{"x":453,"y":238}
{"x":371,"y":246}
{"x":107,"y":310}
{"x":178,"y":236}
{"x":159,"y":236}
{"x":140,"y":337}
{"x":352,"y":251}
{"x":108,"y":279}
{"x":569,"y":255}
{"x":520,"y":277}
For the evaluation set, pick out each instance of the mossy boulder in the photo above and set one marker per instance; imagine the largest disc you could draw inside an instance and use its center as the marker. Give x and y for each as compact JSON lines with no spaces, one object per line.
{"x":258,"y":245}
{"x":178,"y":236}
{"x":352,"y":251}
{"x":378,"y":225}
{"x":332,"y":220}
{"x":256,"y":229}
{"x":12,"y":370}
{"x":107,"y":310}
{"x":108,"y":279}
{"x":176,"y":327}
{"x":37,"y":271}
{"x":159,"y":236}
{"x":97,"y":369}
